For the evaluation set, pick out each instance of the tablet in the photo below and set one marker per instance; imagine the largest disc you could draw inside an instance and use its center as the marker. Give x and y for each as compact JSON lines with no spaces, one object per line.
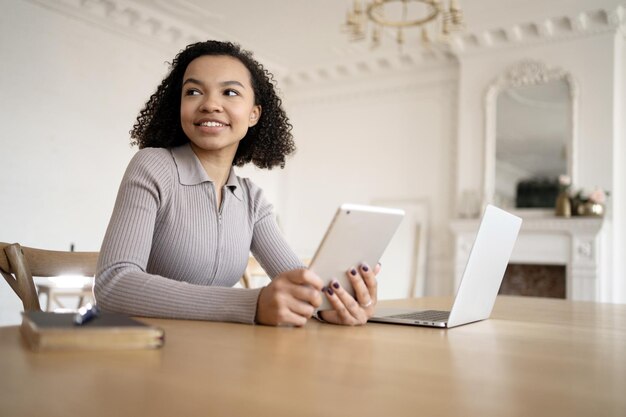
{"x":357,"y":234}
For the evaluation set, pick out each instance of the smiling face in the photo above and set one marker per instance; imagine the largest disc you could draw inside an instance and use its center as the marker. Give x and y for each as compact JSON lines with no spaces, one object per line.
{"x":217,"y":104}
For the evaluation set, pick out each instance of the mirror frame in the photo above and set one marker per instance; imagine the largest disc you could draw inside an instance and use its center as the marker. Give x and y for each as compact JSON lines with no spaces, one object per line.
{"x":523,"y":73}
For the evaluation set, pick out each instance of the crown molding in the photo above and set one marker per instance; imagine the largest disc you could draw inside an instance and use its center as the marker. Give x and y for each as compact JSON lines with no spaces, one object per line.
{"x":587,"y":23}
{"x":582,"y":24}
{"x":168,"y":27}
{"x":127,"y":19}
{"x":370,"y":66}
{"x":159,"y":24}
{"x":434,"y":80}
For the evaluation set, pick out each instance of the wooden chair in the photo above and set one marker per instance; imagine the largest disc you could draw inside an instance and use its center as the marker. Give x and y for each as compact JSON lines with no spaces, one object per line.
{"x":252,"y":270}
{"x":19,"y":264}
{"x":255,"y":275}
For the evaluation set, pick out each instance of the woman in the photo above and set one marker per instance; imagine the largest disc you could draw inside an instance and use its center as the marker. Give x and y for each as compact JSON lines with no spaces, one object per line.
{"x":184,"y":224}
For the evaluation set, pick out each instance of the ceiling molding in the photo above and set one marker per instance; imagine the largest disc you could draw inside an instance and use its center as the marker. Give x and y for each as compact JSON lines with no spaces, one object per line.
{"x":153,"y":23}
{"x":128,"y":19}
{"x":368,"y":66}
{"x":169,"y":27}
{"x":430,"y":84}
{"x":587,"y":23}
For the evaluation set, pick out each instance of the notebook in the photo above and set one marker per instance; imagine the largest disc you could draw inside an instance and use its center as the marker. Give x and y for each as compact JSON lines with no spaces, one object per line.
{"x":57,"y":331}
{"x":481,"y":279}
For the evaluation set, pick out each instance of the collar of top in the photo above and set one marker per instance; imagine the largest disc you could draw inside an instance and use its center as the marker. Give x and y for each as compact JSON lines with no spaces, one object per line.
{"x":191,"y":172}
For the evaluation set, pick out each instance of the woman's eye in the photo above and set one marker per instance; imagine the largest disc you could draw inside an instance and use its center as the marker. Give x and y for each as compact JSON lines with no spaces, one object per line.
{"x":231,"y":92}
{"x":192,"y":92}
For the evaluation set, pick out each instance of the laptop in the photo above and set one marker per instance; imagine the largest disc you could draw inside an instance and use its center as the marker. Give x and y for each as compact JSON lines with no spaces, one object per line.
{"x":481,"y":279}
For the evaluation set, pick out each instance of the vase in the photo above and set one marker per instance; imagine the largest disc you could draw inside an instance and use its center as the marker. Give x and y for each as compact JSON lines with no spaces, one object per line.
{"x":563,"y":207}
{"x":589,"y":208}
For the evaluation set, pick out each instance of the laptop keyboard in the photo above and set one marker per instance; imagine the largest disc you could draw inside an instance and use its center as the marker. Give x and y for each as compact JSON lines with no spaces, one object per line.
{"x":427,"y":315}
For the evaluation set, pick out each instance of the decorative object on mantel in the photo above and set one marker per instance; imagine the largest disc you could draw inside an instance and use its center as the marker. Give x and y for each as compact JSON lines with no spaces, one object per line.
{"x":583,"y":203}
{"x":590,"y":204}
{"x":536,"y":193}
{"x":401,"y":14}
{"x":563,"y":207}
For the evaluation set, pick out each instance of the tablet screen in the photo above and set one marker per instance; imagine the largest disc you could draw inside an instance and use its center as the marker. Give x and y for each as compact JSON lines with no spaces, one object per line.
{"x":357,"y":235}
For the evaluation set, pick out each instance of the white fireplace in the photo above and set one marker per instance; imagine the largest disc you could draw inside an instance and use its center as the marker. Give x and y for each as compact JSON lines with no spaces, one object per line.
{"x":577,"y":243}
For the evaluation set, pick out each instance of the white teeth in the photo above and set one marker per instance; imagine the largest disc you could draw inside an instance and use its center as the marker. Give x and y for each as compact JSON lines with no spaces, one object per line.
{"x":212,"y":124}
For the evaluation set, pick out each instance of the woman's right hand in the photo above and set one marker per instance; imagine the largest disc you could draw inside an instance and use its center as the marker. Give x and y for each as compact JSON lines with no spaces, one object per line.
{"x":290,"y":299}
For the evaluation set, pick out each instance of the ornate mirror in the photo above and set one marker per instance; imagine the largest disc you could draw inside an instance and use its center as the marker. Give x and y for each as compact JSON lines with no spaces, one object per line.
{"x":530,"y":136}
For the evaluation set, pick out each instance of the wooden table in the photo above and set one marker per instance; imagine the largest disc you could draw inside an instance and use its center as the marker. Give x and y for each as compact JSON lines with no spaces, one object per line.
{"x":534,"y":357}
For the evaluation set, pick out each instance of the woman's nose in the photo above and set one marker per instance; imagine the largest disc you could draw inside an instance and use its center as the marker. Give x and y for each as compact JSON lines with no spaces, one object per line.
{"x":211,"y":103}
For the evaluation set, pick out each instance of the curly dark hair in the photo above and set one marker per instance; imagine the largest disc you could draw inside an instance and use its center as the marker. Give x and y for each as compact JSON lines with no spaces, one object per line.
{"x":266,"y":144}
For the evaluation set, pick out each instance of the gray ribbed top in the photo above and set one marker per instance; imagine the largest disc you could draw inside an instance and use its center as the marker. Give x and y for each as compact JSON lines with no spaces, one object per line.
{"x":168,"y":252}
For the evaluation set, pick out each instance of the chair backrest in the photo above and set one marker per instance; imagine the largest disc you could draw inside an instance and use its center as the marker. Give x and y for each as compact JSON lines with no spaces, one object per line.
{"x":18,"y":265}
{"x":254,"y":269}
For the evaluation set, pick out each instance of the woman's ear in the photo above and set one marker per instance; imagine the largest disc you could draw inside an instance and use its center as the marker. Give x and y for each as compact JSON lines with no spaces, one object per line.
{"x":255,"y":115}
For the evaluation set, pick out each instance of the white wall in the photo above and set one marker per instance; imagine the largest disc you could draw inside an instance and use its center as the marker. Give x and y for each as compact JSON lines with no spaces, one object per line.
{"x":619,"y":164}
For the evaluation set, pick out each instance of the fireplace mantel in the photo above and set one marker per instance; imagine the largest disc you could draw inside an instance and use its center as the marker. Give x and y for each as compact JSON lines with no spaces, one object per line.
{"x":545,"y":239}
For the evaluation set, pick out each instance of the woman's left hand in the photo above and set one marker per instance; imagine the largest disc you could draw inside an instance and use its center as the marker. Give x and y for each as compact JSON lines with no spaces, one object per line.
{"x":350,"y":310}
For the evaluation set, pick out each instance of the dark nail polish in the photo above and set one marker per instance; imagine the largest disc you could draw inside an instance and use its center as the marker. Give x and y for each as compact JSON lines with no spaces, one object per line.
{"x":324,"y":289}
{"x":353,"y":272}
{"x":365,"y":268}
{"x":336,"y":285}
{"x":330,"y":291}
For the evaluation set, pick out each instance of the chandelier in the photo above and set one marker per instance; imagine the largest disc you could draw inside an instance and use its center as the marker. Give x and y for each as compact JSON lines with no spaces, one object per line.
{"x":436,"y":20}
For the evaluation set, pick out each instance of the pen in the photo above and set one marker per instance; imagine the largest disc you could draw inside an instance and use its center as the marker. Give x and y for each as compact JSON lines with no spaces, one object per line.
{"x":86,"y":313}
